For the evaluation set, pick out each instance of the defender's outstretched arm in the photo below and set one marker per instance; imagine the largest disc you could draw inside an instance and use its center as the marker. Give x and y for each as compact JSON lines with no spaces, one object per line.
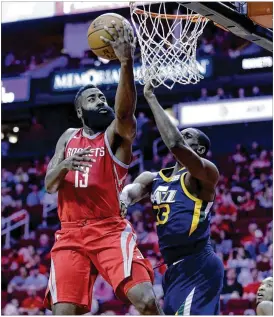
{"x":198,"y":167}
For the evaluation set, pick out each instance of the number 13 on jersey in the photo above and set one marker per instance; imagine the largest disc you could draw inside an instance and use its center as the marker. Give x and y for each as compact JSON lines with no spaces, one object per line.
{"x":81,"y":179}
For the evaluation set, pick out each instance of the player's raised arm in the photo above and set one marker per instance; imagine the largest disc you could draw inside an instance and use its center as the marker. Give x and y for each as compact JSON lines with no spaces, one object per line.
{"x":197,"y":166}
{"x":123,"y":45}
{"x":59,"y":166}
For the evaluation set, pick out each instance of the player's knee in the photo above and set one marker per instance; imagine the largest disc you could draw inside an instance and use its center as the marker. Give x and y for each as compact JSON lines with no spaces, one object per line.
{"x":64,"y":309}
{"x":144,"y":301}
{"x":148,"y":305}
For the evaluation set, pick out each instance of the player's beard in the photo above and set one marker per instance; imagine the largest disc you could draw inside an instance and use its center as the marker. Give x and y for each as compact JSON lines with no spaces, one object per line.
{"x":98,"y":121}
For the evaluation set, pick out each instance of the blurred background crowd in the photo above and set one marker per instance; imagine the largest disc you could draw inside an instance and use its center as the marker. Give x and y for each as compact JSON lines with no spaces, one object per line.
{"x":241,"y":228}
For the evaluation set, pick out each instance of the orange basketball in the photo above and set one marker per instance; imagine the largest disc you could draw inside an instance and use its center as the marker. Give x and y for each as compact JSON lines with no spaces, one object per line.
{"x":96,"y":29}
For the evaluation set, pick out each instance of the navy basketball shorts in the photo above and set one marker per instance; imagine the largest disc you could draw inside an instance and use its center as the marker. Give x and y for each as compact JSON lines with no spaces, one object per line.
{"x":193,"y":285}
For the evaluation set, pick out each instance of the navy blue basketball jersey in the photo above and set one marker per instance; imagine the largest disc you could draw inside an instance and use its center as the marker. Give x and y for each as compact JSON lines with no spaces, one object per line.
{"x":183,"y":221}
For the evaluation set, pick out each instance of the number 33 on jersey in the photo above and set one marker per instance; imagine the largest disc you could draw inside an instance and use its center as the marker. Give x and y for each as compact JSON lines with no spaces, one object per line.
{"x":178,"y":210}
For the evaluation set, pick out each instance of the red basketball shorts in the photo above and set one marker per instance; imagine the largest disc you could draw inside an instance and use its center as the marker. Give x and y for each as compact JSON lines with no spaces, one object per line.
{"x":82,"y":250}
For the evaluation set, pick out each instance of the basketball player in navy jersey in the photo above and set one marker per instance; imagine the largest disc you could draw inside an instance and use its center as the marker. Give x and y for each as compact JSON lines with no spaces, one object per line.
{"x":182,"y":197}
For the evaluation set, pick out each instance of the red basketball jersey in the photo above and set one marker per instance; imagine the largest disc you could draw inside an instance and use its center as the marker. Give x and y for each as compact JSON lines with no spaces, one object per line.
{"x":93,"y":194}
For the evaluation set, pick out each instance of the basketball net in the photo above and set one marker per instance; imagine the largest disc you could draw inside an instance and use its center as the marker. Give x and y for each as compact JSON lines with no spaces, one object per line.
{"x":168,"y":44}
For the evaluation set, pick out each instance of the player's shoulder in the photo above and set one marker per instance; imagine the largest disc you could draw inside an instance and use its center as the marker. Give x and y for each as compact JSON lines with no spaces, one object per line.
{"x":212,"y":169}
{"x":68,"y":133}
{"x":265,"y":308}
{"x":65,"y":137}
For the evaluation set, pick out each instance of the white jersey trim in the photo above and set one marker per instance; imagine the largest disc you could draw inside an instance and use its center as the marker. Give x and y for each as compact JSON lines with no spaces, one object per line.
{"x":112,"y":155}
{"x":71,"y":137}
{"x":91,"y":137}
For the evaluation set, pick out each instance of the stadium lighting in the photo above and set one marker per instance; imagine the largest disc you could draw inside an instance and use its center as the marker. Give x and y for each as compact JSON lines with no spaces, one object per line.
{"x":13,"y":139}
{"x":15,"y":129}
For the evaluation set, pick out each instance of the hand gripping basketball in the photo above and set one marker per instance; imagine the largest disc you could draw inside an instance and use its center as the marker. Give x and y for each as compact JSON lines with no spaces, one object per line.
{"x":124,"y":42}
{"x":79,"y":161}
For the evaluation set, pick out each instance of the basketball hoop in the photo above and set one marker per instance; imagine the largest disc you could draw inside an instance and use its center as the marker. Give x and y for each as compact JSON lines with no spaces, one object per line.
{"x":168,"y":44}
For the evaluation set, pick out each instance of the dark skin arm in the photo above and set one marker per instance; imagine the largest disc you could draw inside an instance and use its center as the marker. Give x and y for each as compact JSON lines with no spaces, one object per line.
{"x":59,"y":166}
{"x":122,"y":130}
{"x":140,"y":188}
{"x":198,"y":167}
{"x":265,"y":308}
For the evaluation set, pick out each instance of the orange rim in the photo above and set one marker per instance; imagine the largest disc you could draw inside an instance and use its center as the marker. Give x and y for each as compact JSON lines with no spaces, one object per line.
{"x":194,"y":18}
{"x":171,"y":16}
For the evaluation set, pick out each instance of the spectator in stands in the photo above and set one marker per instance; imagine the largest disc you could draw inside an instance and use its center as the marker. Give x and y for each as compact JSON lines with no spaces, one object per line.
{"x":258,"y":182}
{"x":152,"y":236}
{"x":253,"y":239}
{"x":248,"y":203}
{"x":250,"y":289}
{"x":19,"y":194}
{"x":141,"y":120}
{"x":241,"y":93}
{"x":9,"y":59}
{"x":255,"y":150}
{"x":220,"y":95}
{"x":268,"y":240}
{"x":239,"y":259}
{"x":18,"y":281}
{"x":241,"y":155}
{"x":32,"y":304}
{"x":20,"y":176}
{"x":227,"y":209}
{"x":265,"y":197}
{"x":233,"y":51}
{"x":15,"y":260}
{"x":231,"y":286}
{"x":11,"y":309}
{"x":44,"y":247}
{"x":256,"y":92}
{"x":261,"y":162}
{"x":6,"y":199}
{"x":27,"y":253}
{"x":33,"y":198}
{"x":49,"y":201}
{"x":141,"y":232}
{"x":36,"y":280}
{"x":36,"y":169}
{"x":6,"y":177}
{"x":204,"y":96}
{"x":45,"y":164}
{"x":33,"y":63}
{"x":206,"y":47}
{"x":245,"y":277}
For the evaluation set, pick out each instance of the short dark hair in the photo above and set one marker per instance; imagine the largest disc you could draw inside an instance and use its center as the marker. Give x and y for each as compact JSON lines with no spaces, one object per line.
{"x":80,"y":91}
{"x":204,"y":140}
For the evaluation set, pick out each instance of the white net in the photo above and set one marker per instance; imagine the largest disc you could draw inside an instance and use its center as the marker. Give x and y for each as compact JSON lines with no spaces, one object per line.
{"x":168,"y":43}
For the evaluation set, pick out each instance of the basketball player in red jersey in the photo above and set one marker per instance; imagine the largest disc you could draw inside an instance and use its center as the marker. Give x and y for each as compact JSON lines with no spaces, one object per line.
{"x":88,"y":170}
